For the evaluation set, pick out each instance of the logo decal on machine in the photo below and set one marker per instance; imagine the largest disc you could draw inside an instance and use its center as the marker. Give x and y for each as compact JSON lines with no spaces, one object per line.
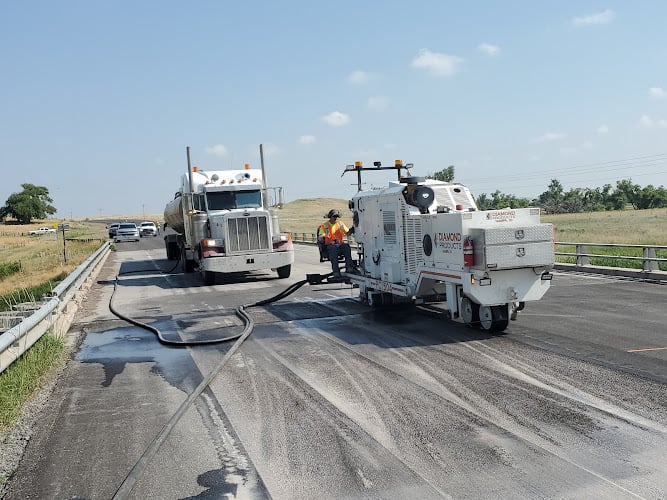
{"x":501,"y":215}
{"x":448,"y":242}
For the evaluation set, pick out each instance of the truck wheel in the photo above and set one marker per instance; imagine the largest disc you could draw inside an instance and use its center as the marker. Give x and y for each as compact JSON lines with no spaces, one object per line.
{"x":188,"y":265}
{"x":284,"y":271}
{"x":209,"y":278}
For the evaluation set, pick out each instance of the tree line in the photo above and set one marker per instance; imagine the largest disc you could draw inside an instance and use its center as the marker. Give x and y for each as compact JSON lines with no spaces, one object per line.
{"x":555,"y":200}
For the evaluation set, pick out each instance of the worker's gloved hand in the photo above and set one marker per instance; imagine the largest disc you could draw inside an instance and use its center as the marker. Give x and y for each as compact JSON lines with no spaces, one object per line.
{"x":351,"y":231}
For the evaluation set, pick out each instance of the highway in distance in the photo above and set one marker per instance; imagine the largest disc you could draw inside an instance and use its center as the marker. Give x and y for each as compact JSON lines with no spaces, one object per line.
{"x":328,"y":398}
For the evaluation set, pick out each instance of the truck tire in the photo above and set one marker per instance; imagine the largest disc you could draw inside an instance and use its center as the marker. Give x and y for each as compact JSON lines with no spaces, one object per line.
{"x":284,"y":271}
{"x":172,"y":250}
{"x":208,"y":277}
{"x":188,"y":265}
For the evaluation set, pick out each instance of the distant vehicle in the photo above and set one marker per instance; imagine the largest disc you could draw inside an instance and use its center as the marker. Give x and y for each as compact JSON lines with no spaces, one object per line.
{"x":112,"y":229}
{"x":147,"y":229}
{"x":127,"y":231}
{"x":41,"y":230}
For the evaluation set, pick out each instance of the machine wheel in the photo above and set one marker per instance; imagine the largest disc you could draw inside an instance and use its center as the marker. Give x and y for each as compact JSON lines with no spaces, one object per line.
{"x":284,"y":271}
{"x":208,"y":277}
{"x":469,"y":311}
{"x":493,"y":318}
{"x":374,"y":299}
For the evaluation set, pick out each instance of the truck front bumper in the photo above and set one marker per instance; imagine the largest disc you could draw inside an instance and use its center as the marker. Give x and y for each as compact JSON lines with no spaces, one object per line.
{"x":250,"y":262}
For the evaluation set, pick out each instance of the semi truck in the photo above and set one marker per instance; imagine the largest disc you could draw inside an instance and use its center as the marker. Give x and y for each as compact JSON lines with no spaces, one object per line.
{"x":425,"y":240}
{"x":226,"y":221}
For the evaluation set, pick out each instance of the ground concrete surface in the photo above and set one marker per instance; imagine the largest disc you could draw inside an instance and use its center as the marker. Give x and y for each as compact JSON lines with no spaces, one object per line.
{"x":330,"y":399}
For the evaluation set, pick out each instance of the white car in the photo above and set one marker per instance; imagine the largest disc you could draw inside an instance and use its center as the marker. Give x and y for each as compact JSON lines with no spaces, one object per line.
{"x":127,"y":231}
{"x":147,"y":229}
{"x":41,"y":230}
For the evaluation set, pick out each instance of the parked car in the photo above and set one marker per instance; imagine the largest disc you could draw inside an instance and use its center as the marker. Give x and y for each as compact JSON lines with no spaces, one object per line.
{"x":127,"y":231}
{"x":41,"y":230}
{"x":147,"y":229}
{"x":112,"y":229}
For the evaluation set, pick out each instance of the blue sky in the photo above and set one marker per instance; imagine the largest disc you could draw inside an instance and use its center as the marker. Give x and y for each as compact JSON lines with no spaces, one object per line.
{"x":101,"y":98}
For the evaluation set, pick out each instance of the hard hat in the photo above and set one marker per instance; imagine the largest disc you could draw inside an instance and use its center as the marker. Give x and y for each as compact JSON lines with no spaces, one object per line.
{"x":333,"y":213}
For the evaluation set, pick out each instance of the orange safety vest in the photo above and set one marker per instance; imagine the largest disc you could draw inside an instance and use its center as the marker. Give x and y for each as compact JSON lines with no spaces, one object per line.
{"x":332,"y":232}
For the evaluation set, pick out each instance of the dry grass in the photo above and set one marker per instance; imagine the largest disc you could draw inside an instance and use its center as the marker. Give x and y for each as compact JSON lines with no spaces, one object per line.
{"x":42,"y":257}
{"x":303,"y":216}
{"x":629,"y":227}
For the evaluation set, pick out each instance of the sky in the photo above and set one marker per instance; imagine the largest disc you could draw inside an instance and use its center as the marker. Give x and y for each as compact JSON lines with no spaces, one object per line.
{"x":101,"y":98}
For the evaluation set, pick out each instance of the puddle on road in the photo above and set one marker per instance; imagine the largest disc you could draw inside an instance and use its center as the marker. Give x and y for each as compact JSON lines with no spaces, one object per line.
{"x":115,"y":348}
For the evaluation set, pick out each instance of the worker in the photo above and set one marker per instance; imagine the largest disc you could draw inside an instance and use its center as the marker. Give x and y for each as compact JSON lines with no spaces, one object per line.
{"x":330,"y":234}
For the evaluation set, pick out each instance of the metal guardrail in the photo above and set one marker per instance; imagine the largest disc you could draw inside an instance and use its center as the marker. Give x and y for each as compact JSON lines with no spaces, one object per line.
{"x":582,"y":255}
{"x":48,"y":314}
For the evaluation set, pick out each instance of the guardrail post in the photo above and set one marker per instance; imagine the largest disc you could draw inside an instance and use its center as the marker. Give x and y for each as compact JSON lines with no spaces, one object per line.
{"x":582,"y":260}
{"x":647,"y":264}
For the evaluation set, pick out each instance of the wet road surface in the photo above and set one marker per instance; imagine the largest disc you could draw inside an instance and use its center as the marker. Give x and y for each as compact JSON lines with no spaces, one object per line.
{"x":329,"y":399}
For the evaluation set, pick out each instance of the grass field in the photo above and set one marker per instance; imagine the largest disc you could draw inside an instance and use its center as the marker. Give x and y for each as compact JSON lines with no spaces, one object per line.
{"x":41,"y":259}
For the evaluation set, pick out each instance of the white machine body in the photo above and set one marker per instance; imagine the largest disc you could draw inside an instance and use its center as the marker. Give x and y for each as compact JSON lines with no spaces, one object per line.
{"x":425,"y":240}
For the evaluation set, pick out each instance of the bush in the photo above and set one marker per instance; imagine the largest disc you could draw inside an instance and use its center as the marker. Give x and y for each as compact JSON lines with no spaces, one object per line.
{"x":9,"y":268}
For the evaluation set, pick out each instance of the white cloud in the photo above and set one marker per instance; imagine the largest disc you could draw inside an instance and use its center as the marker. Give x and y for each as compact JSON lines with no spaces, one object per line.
{"x":336,"y":119}
{"x":389,"y":146}
{"x":602,"y":129}
{"x":437,"y":63}
{"x":587,"y":146}
{"x":488,"y":49}
{"x":217,"y":150}
{"x":657,"y":92}
{"x":378,"y":103}
{"x":549,"y":137}
{"x":159,"y":161}
{"x":647,"y":121}
{"x":307,"y":139}
{"x":604,"y":17}
{"x":359,"y":77}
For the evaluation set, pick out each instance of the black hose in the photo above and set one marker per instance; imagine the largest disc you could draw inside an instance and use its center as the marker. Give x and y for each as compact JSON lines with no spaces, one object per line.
{"x":128,"y":483}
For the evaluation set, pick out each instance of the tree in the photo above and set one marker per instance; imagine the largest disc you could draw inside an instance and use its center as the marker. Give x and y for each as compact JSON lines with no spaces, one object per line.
{"x":31,"y":203}
{"x":551,"y":199}
{"x":499,"y":200}
{"x":445,"y":175}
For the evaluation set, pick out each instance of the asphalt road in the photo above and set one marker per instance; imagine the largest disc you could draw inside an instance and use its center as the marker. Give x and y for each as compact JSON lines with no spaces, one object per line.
{"x":329,"y":399}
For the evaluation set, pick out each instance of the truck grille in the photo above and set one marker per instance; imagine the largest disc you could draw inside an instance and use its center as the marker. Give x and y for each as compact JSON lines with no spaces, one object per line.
{"x":246,"y":234}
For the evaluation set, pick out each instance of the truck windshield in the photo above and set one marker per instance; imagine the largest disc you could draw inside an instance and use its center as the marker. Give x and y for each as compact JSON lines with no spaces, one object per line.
{"x":228,"y":200}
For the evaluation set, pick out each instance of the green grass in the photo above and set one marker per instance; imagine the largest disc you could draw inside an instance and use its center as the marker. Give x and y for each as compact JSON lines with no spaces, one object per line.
{"x":9,"y":268}
{"x":21,"y":378}
{"x":31,"y":294}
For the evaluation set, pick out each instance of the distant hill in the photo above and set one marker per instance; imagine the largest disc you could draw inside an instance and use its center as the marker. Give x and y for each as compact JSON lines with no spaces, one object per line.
{"x":304,"y":215}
